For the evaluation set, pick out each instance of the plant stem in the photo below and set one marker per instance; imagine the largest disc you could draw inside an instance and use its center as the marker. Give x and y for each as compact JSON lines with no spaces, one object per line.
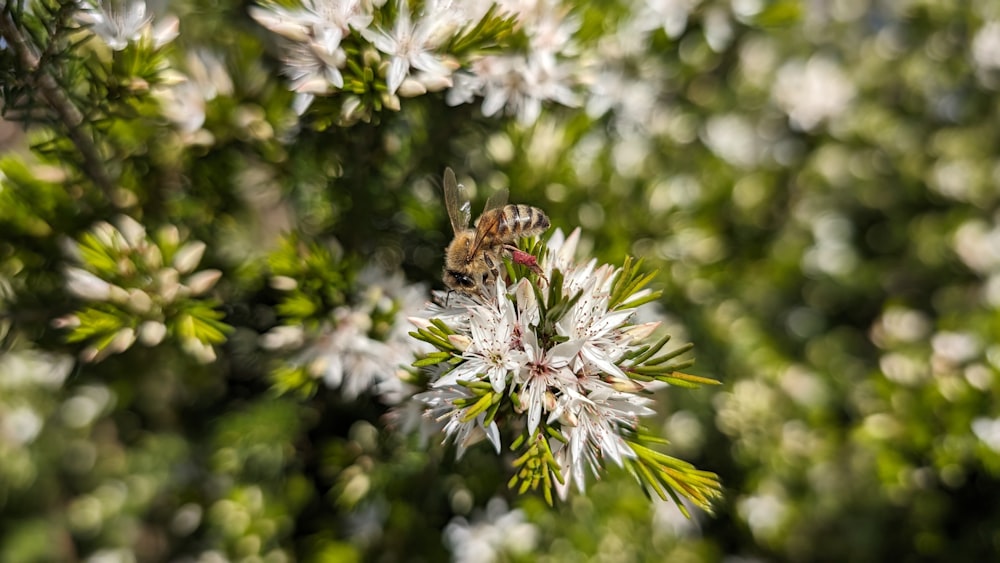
{"x":42,"y":81}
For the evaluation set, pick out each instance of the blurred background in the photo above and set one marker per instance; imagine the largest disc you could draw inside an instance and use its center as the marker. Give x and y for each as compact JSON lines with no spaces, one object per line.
{"x":816,"y":184}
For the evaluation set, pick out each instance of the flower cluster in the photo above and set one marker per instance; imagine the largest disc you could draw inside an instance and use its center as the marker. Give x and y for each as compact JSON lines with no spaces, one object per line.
{"x":342,"y":46}
{"x":349,"y":334}
{"x":119,"y":23}
{"x":360,"y":347}
{"x":141,"y":287}
{"x":560,"y":362}
{"x":491,"y":535}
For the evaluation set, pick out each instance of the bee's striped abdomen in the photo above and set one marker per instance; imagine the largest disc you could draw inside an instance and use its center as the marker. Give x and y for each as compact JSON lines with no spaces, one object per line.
{"x":520,"y":220}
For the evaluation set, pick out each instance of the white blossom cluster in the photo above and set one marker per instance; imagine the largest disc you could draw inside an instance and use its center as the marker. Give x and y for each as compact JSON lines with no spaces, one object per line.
{"x":119,"y":23}
{"x":490,"y":535}
{"x":412,"y":50}
{"x":136,"y":287}
{"x":574,"y":380}
{"x":364,"y":348}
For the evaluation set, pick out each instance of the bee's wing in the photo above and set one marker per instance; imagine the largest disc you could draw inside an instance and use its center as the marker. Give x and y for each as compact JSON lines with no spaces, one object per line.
{"x":457,"y":201}
{"x":486,"y":225}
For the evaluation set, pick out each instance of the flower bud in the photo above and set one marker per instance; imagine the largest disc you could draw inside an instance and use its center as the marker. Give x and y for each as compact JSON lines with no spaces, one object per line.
{"x":118,"y":295}
{"x":567,"y":418}
{"x":435,"y":82}
{"x":122,"y":341}
{"x":68,"y":321}
{"x":151,"y":333}
{"x":89,"y":354}
{"x":188,"y":257}
{"x":168,"y":284}
{"x":169,"y":236}
{"x":390,"y":102}
{"x":165,"y":31}
{"x":152,"y":256}
{"x":550,"y":401}
{"x":280,"y":25}
{"x":86,"y":285}
{"x":460,"y":341}
{"x":371,"y":57}
{"x":105,"y":233}
{"x":282,"y":337}
{"x":419,"y":322}
{"x":70,"y":248}
{"x":411,"y":88}
{"x":283,"y":283}
{"x":623,"y":384}
{"x":139,"y":301}
{"x":641,"y":332}
{"x":201,"y":352}
{"x":351,"y":109}
{"x":203,"y":281}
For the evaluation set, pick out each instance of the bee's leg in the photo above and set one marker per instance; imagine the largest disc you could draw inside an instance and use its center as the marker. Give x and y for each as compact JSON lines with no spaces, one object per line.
{"x":525,"y":259}
{"x":492,"y":266}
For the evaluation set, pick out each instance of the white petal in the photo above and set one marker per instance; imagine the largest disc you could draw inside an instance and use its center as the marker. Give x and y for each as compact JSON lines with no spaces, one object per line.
{"x":188,"y":257}
{"x":280,"y":23}
{"x":122,"y":341}
{"x":302,"y":102}
{"x":398,"y":68}
{"x":166,"y":31}
{"x":493,"y":435}
{"x":534,"y":417}
{"x":85,"y":285}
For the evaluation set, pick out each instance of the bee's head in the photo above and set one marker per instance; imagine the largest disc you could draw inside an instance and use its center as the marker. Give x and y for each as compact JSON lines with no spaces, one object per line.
{"x":460,"y":282}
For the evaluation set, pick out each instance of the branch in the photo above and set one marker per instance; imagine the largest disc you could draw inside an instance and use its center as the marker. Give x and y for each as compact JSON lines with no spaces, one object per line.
{"x":52,"y":92}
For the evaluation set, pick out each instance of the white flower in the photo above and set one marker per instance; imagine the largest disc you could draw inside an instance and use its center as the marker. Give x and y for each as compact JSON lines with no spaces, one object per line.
{"x":669,"y":15}
{"x":463,"y":432}
{"x":568,"y":373}
{"x":118,"y":22}
{"x":491,"y":354}
{"x":313,"y":70}
{"x":593,"y":430}
{"x":590,"y":321}
{"x":489,"y":536}
{"x":22,"y":369}
{"x":986,"y":47}
{"x":314,"y":56}
{"x":410,"y":45}
{"x":20,"y":425}
{"x":348,"y":356}
{"x":323,"y":22}
{"x":812,"y":92}
{"x":519,"y":85}
{"x":545,"y":374}
{"x":347,"y":359}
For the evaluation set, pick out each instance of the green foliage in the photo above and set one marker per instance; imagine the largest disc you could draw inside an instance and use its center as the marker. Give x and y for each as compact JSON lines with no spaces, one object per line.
{"x":536,"y":467}
{"x":809,"y":195}
{"x":314,"y":280}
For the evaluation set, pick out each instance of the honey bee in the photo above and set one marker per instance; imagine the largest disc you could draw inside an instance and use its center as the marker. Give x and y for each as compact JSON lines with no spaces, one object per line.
{"x":474,"y":256}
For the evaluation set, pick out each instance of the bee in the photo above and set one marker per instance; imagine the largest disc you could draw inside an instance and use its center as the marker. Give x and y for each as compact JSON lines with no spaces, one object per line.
{"x":474,"y":256}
